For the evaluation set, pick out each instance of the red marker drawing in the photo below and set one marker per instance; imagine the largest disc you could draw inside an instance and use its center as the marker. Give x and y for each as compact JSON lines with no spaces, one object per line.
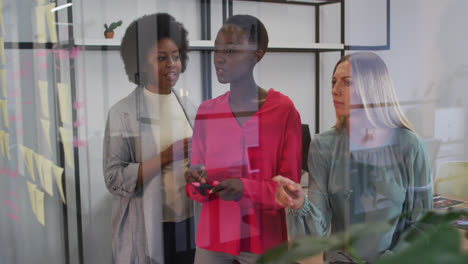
{"x":12,"y":216}
{"x":13,"y":194}
{"x":79,"y":143}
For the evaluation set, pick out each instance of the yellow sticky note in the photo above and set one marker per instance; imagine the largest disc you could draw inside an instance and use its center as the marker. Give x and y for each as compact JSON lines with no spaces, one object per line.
{"x":2,"y":51}
{"x":40,"y":207}
{"x":39,"y":162}
{"x":51,"y":22}
{"x":6,"y":141}
{"x":58,"y":172}
{"x":2,"y":144}
{"x":47,"y":176}
{"x":46,"y":128}
{"x":40,"y":25}
{"x":44,"y":95}
{"x":67,"y":137}
{"x":28,"y":160}
{"x":3,"y":108}
{"x":64,"y":103}
{"x":32,"y":196}
{"x":30,"y":163}
{"x":3,"y":82}
{"x":2,"y":27}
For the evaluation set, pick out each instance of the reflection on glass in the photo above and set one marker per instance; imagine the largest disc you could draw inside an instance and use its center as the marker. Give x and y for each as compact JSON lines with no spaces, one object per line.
{"x":241,"y":140}
{"x":146,"y":147}
{"x":370,"y":167}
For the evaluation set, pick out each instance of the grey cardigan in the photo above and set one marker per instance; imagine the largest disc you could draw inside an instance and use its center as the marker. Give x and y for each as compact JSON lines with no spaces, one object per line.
{"x":136,"y":212}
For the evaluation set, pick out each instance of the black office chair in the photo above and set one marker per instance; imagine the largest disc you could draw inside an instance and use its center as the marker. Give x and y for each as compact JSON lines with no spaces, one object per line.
{"x":305,"y":153}
{"x":305,"y":146}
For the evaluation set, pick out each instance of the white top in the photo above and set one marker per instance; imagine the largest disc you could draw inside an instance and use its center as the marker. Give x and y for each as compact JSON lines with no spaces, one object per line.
{"x":170,"y":124}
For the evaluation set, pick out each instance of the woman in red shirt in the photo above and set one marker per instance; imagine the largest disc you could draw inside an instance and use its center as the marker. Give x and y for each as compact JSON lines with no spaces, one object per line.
{"x":242,"y":139}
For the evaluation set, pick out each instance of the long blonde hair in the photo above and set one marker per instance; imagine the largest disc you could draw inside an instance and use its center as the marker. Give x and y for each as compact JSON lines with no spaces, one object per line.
{"x":374,"y":86}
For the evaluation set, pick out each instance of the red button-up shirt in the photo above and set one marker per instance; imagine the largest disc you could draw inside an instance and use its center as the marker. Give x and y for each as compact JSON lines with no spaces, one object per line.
{"x":266,"y":145}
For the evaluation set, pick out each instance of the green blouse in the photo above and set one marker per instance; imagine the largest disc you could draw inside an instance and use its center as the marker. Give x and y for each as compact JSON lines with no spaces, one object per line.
{"x":350,"y":185}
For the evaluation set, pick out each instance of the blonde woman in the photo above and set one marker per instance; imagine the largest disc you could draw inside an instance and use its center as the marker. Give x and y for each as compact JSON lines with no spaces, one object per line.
{"x":370,"y":167}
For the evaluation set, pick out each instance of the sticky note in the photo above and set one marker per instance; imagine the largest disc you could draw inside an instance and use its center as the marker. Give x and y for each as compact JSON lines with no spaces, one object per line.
{"x":46,"y":129}
{"x":3,"y":82}
{"x":6,"y":142}
{"x":47,"y":176}
{"x":39,"y":159}
{"x":67,"y":137}
{"x":40,"y":207}
{"x":3,"y":108}
{"x":2,"y":28}
{"x":51,"y":22}
{"x":58,"y":172}
{"x":44,"y":14}
{"x":32,"y":196}
{"x":44,"y":95}
{"x":2,"y":143}
{"x":64,"y":103}
{"x":2,"y":51}
{"x":40,"y":25}
{"x":28,"y":160}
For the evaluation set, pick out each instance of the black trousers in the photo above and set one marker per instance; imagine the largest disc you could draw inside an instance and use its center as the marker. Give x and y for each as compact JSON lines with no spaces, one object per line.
{"x":179,"y":242}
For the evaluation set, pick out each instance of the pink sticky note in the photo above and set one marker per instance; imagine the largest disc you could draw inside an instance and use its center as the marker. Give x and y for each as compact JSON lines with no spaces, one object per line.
{"x":196,"y":184}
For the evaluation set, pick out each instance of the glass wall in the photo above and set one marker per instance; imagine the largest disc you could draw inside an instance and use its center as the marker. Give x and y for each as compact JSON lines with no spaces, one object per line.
{"x":95,"y":171}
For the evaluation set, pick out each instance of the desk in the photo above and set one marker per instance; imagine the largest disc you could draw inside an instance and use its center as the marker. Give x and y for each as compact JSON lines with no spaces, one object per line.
{"x":461,"y":206}
{"x":318,"y":259}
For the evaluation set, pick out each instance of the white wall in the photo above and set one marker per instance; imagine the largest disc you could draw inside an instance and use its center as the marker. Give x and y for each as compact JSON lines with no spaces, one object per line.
{"x":428,"y":63}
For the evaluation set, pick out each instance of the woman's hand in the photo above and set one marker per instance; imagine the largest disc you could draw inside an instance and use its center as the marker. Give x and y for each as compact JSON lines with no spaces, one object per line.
{"x":289,"y":193}
{"x":179,"y":150}
{"x":195,"y":173}
{"x":229,"y":190}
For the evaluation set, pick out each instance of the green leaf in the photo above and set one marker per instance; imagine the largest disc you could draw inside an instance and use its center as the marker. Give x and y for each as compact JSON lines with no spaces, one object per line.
{"x":432,"y":220}
{"x":438,"y":245}
{"x":311,"y":246}
{"x":114,"y":25}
